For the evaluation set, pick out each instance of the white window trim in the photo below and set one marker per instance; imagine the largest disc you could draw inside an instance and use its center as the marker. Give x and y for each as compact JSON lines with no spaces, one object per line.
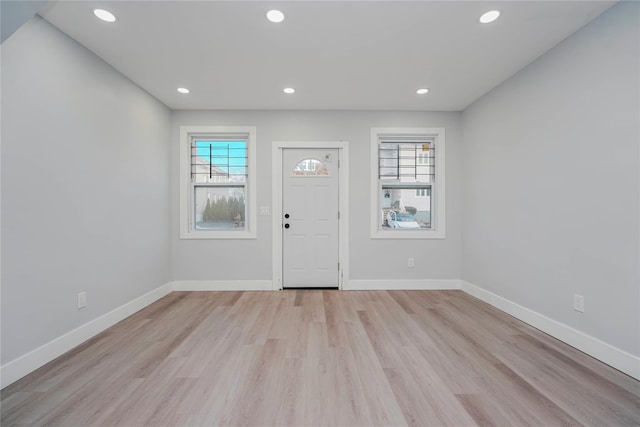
{"x":186,"y":202}
{"x":437,"y":230}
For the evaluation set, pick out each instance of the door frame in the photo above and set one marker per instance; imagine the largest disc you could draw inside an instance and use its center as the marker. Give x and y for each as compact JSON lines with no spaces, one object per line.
{"x":343,"y":205}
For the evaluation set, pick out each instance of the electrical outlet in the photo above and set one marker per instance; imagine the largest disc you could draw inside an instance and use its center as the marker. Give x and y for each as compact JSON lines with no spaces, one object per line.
{"x":82,"y":300}
{"x":578,"y":303}
{"x":411,"y":263}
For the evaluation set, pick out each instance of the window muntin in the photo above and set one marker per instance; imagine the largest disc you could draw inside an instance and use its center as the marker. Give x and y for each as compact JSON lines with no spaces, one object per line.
{"x":217,"y":190}
{"x":406,"y":161}
{"x":407,"y":182}
{"x":214,"y":161}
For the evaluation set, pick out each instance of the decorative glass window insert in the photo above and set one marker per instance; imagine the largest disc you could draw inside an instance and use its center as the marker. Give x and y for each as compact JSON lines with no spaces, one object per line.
{"x":407,"y":183}
{"x":218,"y":181}
{"x":311,"y":167}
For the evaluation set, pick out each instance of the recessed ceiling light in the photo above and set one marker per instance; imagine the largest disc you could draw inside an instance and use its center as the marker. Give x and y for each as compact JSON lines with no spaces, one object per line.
{"x":183,"y":90}
{"x":275,"y":16}
{"x":105,"y":15}
{"x":289,"y":90}
{"x":422,"y":91}
{"x":490,"y":16}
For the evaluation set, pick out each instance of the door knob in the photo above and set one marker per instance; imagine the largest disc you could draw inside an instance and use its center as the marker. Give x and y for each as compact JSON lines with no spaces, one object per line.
{"x":287,"y":226}
{"x":286,"y":215}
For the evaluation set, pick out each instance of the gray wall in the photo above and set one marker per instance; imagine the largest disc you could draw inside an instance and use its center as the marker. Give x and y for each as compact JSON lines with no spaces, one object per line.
{"x":13,"y":14}
{"x":369,"y":259}
{"x":85,"y":200}
{"x":551,"y":184}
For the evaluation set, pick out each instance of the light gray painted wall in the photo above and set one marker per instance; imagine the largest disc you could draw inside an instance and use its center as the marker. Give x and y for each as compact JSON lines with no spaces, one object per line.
{"x":85,"y":197}
{"x":551,"y":184}
{"x":13,"y":14}
{"x":369,"y":259}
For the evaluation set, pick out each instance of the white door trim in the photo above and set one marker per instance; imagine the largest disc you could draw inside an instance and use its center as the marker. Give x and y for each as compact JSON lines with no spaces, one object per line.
{"x":343,"y":205}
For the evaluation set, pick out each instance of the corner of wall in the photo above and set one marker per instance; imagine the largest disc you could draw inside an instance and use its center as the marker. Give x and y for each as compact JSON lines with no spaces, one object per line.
{"x":14,"y":370}
{"x":612,"y":356}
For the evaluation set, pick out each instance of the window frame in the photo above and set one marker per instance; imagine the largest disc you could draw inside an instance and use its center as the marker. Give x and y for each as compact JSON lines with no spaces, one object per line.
{"x":437,"y":230}
{"x":187,"y":188}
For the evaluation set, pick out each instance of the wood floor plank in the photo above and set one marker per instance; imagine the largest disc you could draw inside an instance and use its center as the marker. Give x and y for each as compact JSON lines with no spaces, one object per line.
{"x":546,"y":376}
{"x":291,"y":408}
{"x":545,"y":407}
{"x":434,"y":387}
{"x":322,"y":357}
{"x":416,"y":409}
{"x":481,"y":411}
{"x":581,"y":359}
{"x":380,"y":399}
{"x":586,"y":377}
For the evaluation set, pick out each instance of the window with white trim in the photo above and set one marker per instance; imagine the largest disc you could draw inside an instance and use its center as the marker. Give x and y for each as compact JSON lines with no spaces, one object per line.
{"x":217,"y":191}
{"x":407,"y":183}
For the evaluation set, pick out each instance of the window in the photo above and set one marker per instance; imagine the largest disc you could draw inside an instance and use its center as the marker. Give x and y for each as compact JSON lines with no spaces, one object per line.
{"x":407,"y":183}
{"x":217,"y":191}
{"x":311,"y":167}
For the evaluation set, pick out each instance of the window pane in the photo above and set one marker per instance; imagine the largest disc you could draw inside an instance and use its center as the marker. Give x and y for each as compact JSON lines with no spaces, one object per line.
{"x":219,"y":161}
{"x":311,"y":167}
{"x":406,"y":162}
{"x":219,"y":208}
{"x":404,"y":208}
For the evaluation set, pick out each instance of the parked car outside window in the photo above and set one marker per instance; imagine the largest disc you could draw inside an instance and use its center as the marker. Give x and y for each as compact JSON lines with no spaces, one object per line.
{"x":396,"y":219}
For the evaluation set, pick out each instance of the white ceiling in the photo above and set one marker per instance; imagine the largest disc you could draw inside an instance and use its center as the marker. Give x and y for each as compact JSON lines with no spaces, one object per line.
{"x":365,"y":55}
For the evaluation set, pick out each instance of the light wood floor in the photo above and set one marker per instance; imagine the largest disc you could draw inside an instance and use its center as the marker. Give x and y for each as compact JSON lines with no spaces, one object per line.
{"x":310,"y":358}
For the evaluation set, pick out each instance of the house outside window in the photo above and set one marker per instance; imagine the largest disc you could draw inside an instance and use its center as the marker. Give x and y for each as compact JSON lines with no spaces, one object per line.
{"x":422,"y":157}
{"x":407,"y":183}
{"x":217,"y":191}
{"x":423,"y":192}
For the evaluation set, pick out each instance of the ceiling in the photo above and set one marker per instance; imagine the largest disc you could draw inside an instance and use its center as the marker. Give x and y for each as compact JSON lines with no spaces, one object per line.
{"x":338,"y":55}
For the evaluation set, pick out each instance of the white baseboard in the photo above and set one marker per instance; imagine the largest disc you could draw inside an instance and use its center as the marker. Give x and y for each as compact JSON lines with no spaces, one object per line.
{"x":612,"y":356}
{"x":223,"y":285}
{"x":397,"y":285}
{"x":23,"y":365}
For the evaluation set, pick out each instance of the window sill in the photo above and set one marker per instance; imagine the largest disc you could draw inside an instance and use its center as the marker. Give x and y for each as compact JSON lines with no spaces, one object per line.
{"x":408,"y":234}
{"x":218,"y":235}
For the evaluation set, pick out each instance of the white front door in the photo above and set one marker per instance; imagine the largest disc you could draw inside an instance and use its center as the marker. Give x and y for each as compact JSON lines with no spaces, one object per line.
{"x":310,"y":224}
